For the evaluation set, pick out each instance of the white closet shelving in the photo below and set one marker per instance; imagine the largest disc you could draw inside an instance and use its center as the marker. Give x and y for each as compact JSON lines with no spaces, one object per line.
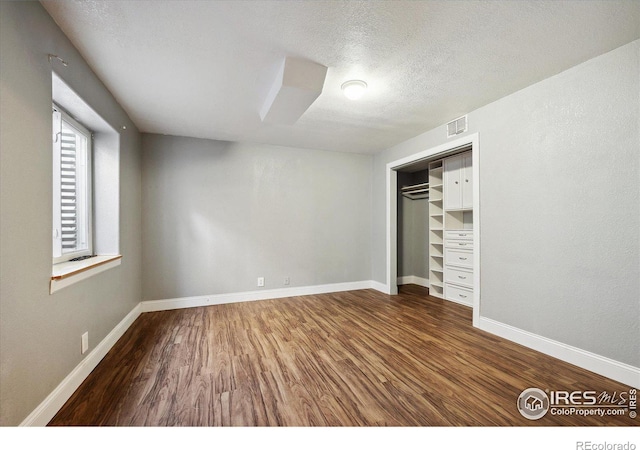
{"x":450,"y":224}
{"x":436,"y":229}
{"x":416,"y":191}
{"x":458,"y":229}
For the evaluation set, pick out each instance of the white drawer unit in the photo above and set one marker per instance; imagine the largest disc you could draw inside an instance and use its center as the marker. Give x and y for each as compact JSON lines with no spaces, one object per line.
{"x":459,"y":294}
{"x":458,"y":257}
{"x":462,"y":277}
{"x":459,"y":234}
{"x":455,"y":243}
{"x":457,"y":237}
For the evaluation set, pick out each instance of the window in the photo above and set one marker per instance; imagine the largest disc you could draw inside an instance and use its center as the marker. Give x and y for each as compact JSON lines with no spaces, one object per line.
{"x":72,"y":175}
{"x":86,"y":189}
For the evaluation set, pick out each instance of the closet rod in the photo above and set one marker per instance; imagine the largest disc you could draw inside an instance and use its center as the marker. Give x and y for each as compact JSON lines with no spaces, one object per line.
{"x":416,"y":191}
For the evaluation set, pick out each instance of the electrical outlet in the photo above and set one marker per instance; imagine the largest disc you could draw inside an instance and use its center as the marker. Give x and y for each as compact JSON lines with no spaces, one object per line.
{"x":85,"y":342}
{"x":287,"y":281}
{"x":261,"y":282}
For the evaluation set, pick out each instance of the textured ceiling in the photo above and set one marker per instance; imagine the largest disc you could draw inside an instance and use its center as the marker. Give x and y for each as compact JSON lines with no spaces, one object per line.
{"x":204,"y":68}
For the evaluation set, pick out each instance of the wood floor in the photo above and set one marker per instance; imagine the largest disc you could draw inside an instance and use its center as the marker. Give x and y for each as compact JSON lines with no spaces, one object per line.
{"x":358,"y":358}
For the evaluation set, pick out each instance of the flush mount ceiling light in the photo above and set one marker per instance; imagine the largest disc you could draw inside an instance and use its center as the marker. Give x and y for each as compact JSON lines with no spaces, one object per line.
{"x":354,"y":89}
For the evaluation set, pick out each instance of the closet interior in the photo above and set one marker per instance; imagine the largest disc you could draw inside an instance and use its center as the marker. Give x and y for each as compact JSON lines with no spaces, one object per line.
{"x":435,"y":225}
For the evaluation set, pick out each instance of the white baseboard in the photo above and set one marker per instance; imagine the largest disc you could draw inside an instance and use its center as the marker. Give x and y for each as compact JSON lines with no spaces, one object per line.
{"x":381,"y":287}
{"x":607,"y":367}
{"x":43,"y":414}
{"x":412,"y":279}
{"x":218,"y":299}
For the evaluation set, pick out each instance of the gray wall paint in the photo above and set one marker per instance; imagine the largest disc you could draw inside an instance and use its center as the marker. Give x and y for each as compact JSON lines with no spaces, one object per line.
{"x":40,"y":333}
{"x":405,"y":228}
{"x":559,"y":193}
{"x":560,"y":206}
{"x":413,"y":236}
{"x":420,"y":244}
{"x":217,"y":215}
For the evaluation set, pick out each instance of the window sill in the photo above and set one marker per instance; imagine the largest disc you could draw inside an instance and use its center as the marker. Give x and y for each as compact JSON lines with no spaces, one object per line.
{"x":68,"y":273}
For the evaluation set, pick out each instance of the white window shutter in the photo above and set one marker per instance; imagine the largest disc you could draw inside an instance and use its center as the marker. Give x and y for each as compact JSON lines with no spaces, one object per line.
{"x":71,"y":189}
{"x":68,"y":191}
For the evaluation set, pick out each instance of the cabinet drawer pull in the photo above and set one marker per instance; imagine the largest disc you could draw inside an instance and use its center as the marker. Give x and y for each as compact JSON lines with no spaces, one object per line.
{"x":462,"y":234}
{"x":462,"y":259}
{"x":461,"y":277}
{"x":462,"y":295}
{"x":456,"y":182}
{"x":462,"y":244}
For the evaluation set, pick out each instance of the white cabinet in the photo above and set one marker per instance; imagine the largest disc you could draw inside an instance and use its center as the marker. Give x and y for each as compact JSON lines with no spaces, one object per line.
{"x":459,"y":235}
{"x":460,"y":294}
{"x":451,"y":246}
{"x":458,"y":182}
{"x":458,"y":230}
{"x":467,"y":181}
{"x":458,"y":266}
{"x":460,"y":258}
{"x":459,"y":276}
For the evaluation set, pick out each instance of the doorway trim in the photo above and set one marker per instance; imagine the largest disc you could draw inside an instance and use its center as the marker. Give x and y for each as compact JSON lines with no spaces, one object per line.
{"x":392,"y":211}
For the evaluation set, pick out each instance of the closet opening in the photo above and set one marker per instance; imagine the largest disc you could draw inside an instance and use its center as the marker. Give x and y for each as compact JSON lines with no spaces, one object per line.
{"x":433,"y":227}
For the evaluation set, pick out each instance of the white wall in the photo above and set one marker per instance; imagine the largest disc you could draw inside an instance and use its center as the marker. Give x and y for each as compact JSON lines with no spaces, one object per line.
{"x":560,"y":206}
{"x":40,"y":333}
{"x":217,"y":215}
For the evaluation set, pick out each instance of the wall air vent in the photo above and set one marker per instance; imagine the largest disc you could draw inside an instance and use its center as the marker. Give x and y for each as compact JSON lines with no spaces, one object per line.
{"x":457,"y":126}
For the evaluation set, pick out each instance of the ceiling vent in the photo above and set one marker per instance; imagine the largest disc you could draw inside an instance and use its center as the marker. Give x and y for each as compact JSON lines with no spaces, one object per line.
{"x":457,"y":126}
{"x":296,"y":86}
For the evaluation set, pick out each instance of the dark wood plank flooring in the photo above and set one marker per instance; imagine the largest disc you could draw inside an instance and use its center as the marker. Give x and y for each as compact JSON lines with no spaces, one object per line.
{"x":357,"y":358}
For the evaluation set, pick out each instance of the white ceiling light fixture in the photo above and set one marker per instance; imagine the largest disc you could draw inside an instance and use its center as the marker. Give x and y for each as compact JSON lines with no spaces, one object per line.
{"x":354,"y":89}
